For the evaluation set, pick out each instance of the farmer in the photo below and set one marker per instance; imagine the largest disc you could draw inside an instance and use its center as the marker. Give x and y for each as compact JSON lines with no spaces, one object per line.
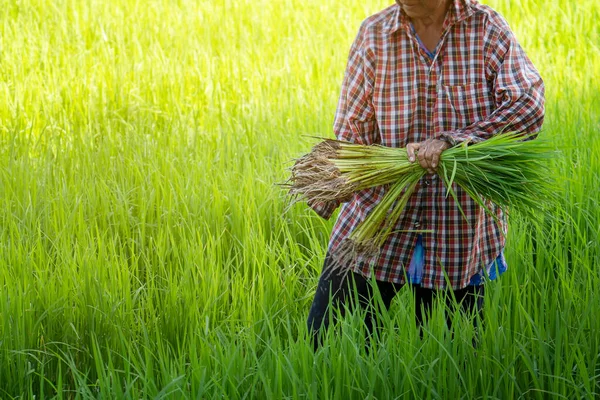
{"x":427,"y":75}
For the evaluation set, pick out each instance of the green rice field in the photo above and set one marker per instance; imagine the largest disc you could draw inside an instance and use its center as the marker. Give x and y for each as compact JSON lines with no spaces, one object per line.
{"x":146,"y":250}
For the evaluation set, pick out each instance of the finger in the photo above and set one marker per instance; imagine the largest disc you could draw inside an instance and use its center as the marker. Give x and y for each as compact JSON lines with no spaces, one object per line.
{"x":440,"y":147}
{"x":435,"y":160}
{"x":410,"y":151}
{"x":435,"y":157}
{"x":421,"y":156}
{"x":428,"y":157}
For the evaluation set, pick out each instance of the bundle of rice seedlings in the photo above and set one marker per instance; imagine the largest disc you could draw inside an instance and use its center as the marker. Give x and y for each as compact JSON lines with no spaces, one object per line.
{"x":335,"y":169}
{"x":508,"y":169}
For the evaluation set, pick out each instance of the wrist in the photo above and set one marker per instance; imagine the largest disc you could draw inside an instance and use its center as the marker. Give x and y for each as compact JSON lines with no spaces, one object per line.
{"x":447,"y":138}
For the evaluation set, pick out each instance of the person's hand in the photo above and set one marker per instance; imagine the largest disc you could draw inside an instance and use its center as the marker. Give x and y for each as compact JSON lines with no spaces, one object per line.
{"x":428,"y":153}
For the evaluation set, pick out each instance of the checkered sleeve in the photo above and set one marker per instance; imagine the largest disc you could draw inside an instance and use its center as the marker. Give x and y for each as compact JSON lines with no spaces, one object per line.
{"x":518,"y":91}
{"x":355,"y":119}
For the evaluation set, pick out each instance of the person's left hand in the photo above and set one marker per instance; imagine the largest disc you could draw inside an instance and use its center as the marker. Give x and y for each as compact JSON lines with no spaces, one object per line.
{"x":428,"y":153}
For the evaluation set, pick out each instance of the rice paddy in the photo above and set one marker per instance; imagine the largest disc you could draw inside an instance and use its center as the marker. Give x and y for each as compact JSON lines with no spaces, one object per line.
{"x":146,"y":250}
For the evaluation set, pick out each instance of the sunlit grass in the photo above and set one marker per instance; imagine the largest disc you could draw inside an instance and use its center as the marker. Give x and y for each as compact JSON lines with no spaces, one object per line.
{"x":144,"y":248}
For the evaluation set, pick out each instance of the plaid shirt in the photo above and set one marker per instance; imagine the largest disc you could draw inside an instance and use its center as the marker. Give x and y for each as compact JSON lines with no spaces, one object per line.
{"x":479,"y":83}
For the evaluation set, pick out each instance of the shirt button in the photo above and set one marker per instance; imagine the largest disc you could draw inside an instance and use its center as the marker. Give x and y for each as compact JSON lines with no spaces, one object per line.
{"x":417,"y":224}
{"x":427,"y":182}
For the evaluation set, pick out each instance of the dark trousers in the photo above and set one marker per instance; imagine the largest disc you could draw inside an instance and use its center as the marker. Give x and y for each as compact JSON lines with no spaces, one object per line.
{"x":352,"y":291}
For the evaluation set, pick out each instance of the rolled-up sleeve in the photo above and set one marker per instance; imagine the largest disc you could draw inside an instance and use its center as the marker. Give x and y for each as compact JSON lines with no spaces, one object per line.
{"x":518,"y":92}
{"x":355,"y":119}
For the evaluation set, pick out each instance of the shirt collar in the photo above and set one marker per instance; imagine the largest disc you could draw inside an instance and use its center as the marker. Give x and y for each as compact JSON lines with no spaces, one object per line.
{"x":459,"y":10}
